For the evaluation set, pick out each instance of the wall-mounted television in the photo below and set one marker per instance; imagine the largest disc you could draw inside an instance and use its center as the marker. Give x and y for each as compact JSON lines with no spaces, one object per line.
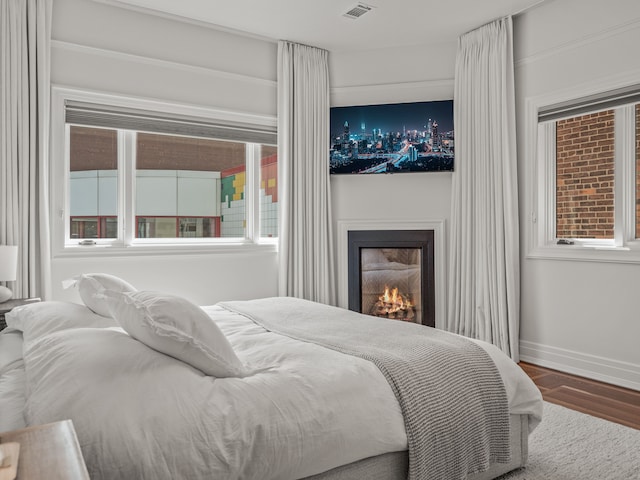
{"x":392,"y":138}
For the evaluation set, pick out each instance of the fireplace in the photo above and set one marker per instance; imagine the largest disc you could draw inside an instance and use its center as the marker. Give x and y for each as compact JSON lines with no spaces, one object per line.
{"x":391,"y":274}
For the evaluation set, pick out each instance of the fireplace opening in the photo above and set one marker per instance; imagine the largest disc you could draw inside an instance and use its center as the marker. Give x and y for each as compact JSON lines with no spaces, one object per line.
{"x":390,"y":283}
{"x":391,"y":274}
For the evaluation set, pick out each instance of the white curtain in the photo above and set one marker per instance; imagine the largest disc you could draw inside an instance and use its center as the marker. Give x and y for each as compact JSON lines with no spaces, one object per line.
{"x":25,"y":42}
{"x":484,"y":276}
{"x":306,"y":242}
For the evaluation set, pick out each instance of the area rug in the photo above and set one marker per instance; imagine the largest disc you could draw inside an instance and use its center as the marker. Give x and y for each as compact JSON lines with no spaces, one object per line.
{"x":570,"y":445}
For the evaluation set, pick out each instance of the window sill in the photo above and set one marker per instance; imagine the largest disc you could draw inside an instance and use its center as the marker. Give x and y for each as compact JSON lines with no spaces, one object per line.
{"x":584,"y":253}
{"x":231,"y":248}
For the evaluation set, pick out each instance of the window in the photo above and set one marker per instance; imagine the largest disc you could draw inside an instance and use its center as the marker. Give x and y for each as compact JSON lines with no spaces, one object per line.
{"x":585,"y":176}
{"x":268,"y":192}
{"x":589,"y":176}
{"x":139,"y":173}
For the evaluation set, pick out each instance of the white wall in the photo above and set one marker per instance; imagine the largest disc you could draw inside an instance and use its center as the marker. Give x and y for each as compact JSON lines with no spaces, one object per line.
{"x":113,"y":50}
{"x":577,"y":316}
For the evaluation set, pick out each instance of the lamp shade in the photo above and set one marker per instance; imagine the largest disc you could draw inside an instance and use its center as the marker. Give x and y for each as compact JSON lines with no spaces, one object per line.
{"x":8,"y":263}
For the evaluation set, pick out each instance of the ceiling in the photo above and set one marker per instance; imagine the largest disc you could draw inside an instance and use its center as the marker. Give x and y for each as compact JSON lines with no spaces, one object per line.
{"x":321,"y":23}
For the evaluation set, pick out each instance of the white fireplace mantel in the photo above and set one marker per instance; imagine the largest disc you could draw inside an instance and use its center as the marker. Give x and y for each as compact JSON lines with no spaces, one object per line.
{"x":438,"y":227}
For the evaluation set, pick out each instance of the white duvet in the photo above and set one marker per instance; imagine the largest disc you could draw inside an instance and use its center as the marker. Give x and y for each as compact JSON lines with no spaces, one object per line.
{"x":12,"y":381}
{"x":140,"y":414}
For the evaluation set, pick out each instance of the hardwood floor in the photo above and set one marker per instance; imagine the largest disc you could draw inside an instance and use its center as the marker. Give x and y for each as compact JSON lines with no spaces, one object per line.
{"x":613,"y":403}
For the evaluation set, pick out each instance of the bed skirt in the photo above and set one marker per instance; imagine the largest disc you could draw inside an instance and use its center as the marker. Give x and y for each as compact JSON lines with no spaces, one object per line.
{"x":394,"y":466}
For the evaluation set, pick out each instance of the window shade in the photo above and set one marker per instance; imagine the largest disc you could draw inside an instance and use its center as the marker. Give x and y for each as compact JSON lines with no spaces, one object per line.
{"x":591,"y":103}
{"x":95,"y":115}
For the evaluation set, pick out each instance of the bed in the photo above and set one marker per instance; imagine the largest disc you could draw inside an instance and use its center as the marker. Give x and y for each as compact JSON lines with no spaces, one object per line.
{"x":273,"y":402}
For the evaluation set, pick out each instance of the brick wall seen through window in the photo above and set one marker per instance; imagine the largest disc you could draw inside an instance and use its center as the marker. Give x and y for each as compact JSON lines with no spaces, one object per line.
{"x":585,"y":176}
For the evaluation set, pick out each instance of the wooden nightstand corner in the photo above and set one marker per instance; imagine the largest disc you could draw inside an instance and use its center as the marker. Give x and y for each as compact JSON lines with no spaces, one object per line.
{"x":50,"y":452}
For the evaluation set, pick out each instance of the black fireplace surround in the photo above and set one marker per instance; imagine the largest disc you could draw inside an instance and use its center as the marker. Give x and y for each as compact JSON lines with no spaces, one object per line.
{"x":393,"y":239}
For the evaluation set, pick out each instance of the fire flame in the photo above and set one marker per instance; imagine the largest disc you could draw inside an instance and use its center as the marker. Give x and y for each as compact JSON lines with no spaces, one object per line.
{"x":392,"y":304}
{"x":394,"y":299}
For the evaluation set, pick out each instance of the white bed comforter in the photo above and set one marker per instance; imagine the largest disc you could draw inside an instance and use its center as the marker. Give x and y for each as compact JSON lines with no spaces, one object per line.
{"x":12,"y":381}
{"x":140,"y":414}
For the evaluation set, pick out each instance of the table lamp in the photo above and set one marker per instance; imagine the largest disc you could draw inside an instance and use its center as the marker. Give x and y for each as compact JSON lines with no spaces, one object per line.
{"x":8,"y":269}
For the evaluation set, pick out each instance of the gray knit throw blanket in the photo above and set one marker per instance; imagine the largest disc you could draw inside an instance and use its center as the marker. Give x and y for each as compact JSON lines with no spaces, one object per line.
{"x":450,"y":392}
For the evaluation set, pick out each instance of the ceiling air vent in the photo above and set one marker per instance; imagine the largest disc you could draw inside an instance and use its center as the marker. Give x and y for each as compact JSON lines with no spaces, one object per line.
{"x":357,"y":11}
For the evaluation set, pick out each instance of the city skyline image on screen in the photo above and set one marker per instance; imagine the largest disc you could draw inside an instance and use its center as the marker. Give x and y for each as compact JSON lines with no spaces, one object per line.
{"x":392,"y":138}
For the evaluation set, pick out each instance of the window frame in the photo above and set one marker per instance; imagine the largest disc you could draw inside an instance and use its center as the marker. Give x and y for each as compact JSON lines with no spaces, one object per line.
{"x":126,"y":243}
{"x":540,"y":147}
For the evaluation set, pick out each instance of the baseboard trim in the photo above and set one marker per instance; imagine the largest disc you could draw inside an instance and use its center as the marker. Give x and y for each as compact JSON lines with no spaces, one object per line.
{"x":603,"y":369}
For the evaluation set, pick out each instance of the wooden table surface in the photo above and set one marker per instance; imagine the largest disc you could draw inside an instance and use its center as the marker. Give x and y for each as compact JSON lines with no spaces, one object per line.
{"x":49,"y":452}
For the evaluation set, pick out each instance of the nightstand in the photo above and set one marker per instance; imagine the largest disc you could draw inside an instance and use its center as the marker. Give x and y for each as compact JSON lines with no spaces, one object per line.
{"x":9,"y":305}
{"x":48,"y":452}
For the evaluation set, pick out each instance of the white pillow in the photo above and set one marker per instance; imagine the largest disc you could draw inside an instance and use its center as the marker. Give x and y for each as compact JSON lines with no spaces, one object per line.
{"x":40,"y":318}
{"x":176,"y":327}
{"x":91,"y":285}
